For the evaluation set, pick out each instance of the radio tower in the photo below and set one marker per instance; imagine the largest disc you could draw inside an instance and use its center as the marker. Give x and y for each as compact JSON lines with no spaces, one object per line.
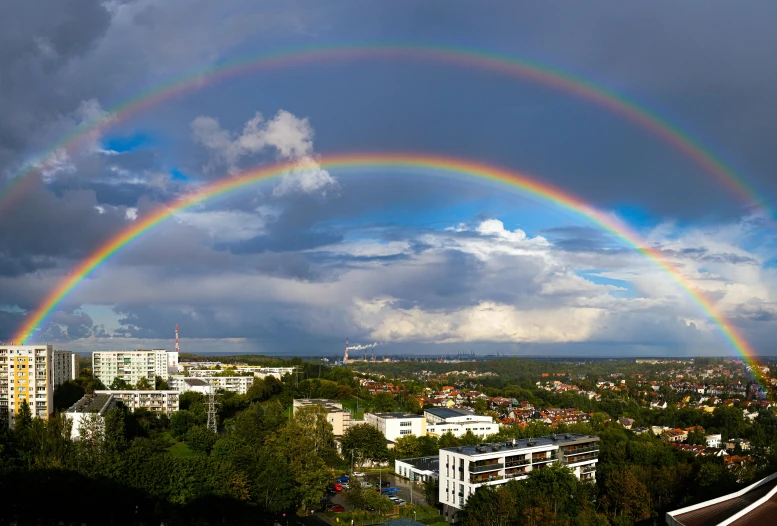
{"x":212,"y":407}
{"x":345,"y":358}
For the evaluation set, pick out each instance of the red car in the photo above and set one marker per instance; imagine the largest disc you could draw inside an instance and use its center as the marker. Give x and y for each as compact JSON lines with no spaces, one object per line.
{"x":335,"y":508}
{"x":337,"y":486}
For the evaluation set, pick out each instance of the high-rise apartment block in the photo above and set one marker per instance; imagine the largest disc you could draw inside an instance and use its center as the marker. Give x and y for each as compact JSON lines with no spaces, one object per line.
{"x":64,"y":366}
{"x":26,"y":375}
{"x":131,"y":366}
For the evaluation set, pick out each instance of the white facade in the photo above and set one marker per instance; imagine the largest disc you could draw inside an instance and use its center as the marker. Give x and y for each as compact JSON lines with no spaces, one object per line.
{"x":441,"y":420}
{"x":26,"y":375}
{"x":464,"y":469}
{"x":64,"y":366}
{"x":155,"y":401}
{"x":98,"y":404}
{"x":713,"y":440}
{"x":397,"y":425}
{"x":264,"y":372}
{"x":418,"y":469}
{"x":233,"y":384}
{"x":130,"y":366}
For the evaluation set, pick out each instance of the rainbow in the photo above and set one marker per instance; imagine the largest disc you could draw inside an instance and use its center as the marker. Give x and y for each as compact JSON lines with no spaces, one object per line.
{"x":443,"y":167}
{"x":531,"y":71}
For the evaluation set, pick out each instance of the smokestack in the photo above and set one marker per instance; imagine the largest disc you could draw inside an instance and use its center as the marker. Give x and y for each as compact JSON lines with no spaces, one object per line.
{"x":176,"y":338}
{"x":345,"y":358}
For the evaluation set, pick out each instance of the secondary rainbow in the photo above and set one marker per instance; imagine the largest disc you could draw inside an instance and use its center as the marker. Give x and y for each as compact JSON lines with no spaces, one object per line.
{"x":530,"y":71}
{"x":443,"y":167}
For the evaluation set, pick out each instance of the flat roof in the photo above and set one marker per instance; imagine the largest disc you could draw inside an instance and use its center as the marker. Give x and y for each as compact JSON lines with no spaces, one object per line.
{"x":195,"y":381}
{"x":445,"y":412}
{"x":523,"y":443}
{"x":90,"y":403}
{"x":423,"y":463}
{"x":720,"y":511}
{"x":398,"y":415}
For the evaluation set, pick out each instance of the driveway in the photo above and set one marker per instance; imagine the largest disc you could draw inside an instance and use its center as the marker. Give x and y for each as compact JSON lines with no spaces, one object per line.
{"x":410,"y":491}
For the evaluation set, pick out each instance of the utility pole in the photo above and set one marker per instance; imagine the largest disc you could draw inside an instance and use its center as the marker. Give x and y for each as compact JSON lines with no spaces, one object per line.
{"x":212,"y":425}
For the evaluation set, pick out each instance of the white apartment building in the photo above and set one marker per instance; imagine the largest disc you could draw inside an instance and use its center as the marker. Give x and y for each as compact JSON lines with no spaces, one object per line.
{"x":396,"y":425}
{"x":464,"y":469}
{"x":713,"y":440}
{"x":155,"y":401}
{"x":26,"y":375}
{"x":91,"y":403}
{"x":340,"y":420}
{"x":264,"y":372}
{"x":64,"y":366}
{"x":441,"y":420}
{"x":234,"y":384}
{"x":130,"y":366}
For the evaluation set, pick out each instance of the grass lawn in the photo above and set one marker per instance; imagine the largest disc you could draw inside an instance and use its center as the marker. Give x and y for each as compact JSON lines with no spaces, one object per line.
{"x":178,"y":449}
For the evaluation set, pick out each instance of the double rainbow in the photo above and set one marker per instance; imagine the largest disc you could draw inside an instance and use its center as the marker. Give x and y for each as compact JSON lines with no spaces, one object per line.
{"x":530,"y":71}
{"x":434,"y":166}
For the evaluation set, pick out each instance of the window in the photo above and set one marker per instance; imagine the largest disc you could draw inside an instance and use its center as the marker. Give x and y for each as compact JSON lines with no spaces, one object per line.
{"x":405,"y":432}
{"x":405,"y":424}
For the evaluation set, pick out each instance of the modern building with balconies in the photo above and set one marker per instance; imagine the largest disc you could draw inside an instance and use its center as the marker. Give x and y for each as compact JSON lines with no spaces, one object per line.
{"x":154,"y":401}
{"x":463,"y":469}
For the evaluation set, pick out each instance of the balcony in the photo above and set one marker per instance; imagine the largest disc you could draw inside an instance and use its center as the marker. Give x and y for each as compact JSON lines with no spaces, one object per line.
{"x":478,"y":480}
{"x":588,"y":469}
{"x":576,"y":451}
{"x":542,"y":460}
{"x":485,"y":467}
{"x":517,"y":463}
{"x":583,"y":458}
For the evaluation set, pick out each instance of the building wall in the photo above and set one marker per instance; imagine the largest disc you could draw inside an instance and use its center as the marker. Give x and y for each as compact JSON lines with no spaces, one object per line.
{"x":64,"y":367}
{"x":130,"y":366}
{"x":481,"y":429}
{"x":26,"y":375}
{"x":394,"y":428}
{"x":155,"y":401}
{"x":456,"y":486}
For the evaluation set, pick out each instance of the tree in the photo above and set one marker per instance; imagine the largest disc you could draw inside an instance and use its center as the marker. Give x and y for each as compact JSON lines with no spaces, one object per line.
{"x":412,"y":405}
{"x":180,"y":423}
{"x":365,"y":441}
{"x":143,"y":385}
{"x":115,"y":430}
{"x":160,"y":384}
{"x":626,"y":496}
{"x":432,"y":491}
{"x":119,"y":384}
{"x":447,"y":440}
{"x":67,"y":393}
{"x":313,"y":422}
{"x":428,"y":446}
{"x":384,"y":403}
{"x":407,"y":447}
{"x":201,"y":439}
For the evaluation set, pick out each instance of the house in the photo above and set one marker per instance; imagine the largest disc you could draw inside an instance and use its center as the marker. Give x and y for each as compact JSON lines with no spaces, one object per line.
{"x":397,"y":425}
{"x":458,"y":421}
{"x":741,"y":442}
{"x":713,"y":440}
{"x":626,"y":422}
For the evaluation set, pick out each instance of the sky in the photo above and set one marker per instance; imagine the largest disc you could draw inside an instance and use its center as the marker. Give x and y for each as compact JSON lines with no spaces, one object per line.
{"x":401,"y":261}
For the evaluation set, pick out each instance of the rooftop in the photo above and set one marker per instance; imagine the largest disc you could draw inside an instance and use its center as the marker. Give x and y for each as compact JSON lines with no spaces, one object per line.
{"x":717,"y":511}
{"x":397,"y":415}
{"x":424,"y":463}
{"x":523,"y":443}
{"x":196,"y":382}
{"x":444,"y":412}
{"x":91,"y":403}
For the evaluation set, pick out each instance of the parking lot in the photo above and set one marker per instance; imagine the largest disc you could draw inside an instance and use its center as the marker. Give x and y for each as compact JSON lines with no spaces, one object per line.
{"x":410,"y":492}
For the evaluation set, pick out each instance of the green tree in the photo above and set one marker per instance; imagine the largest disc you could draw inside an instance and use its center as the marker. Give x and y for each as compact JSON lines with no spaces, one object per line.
{"x":407,"y":447}
{"x":447,"y":440}
{"x":119,"y":384}
{"x":67,"y":393}
{"x":432,"y":491}
{"x":428,"y":446}
{"x":201,"y":439}
{"x":160,"y":384}
{"x":181,"y":422}
{"x":144,"y":385}
{"x":384,"y":403}
{"x":411,"y":405}
{"x":365,"y":441}
{"x":313,"y":422}
{"x":115,"y":430}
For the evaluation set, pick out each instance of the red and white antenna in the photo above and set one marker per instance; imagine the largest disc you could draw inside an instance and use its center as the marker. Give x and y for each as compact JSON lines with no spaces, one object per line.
{"x":345,"y":359}
{"x":176,"y":337}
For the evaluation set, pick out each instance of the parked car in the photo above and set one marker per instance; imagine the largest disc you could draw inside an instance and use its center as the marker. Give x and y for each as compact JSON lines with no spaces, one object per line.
{"x":401,"y":502}
{"x":385,"y":484}
{"x":365,"y":484}
{"x":335,"y":508}
{"x":358,"y":474}
{"x":344,"y":485}
{"x":337,"y":487}
{"x":343,"y":479}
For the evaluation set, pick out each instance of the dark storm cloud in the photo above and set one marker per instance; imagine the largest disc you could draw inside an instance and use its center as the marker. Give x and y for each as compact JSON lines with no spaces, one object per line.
{"x":703,"y":254}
